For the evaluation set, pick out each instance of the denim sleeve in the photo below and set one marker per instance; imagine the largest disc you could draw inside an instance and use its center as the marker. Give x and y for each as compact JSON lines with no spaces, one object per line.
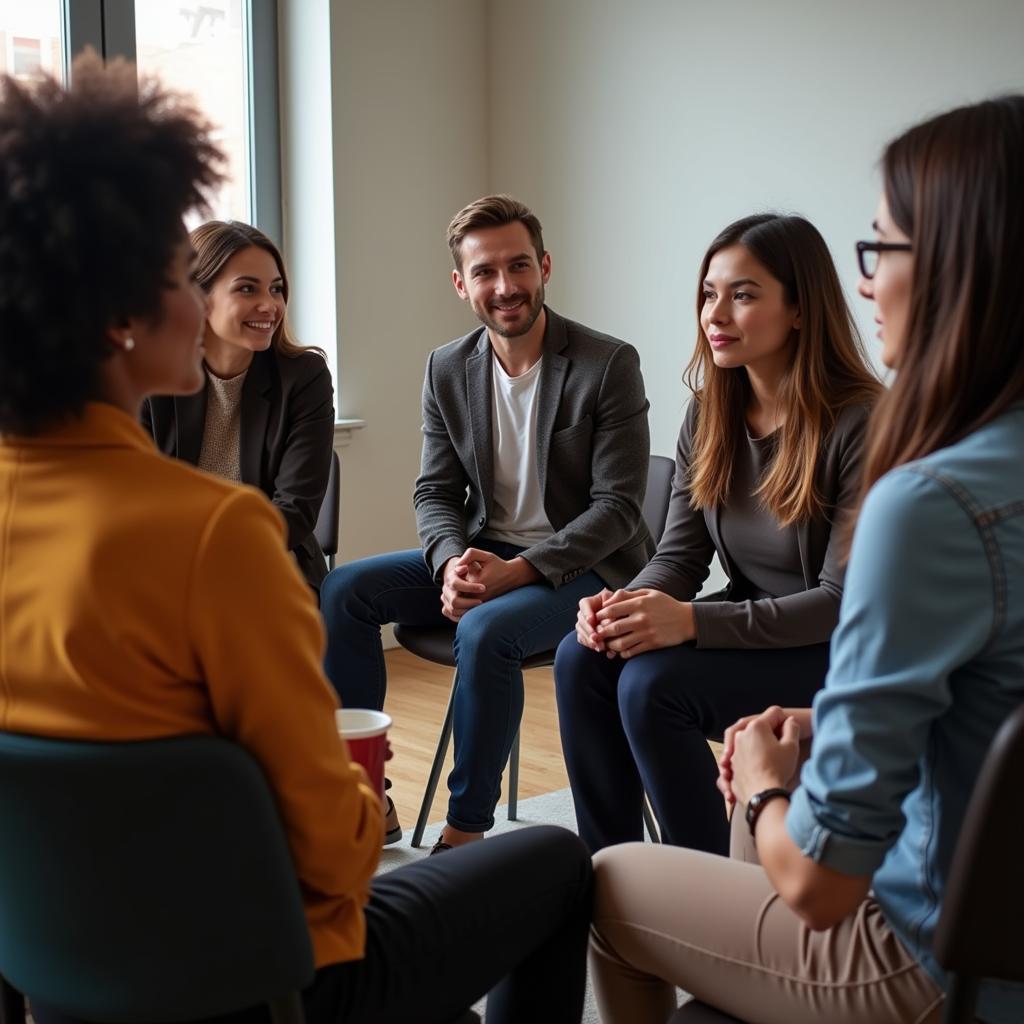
{"x":918,"y":603}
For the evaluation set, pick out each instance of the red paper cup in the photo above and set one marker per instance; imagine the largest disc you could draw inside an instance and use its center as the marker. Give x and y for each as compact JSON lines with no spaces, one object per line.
{"x":366,"y":733}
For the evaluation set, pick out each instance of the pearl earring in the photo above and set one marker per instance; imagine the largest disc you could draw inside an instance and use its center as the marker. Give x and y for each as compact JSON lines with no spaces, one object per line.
{"x":129,"y":344}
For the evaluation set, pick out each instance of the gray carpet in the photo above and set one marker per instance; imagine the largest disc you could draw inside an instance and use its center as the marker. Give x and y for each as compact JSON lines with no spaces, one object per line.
{"x":549,"y":809}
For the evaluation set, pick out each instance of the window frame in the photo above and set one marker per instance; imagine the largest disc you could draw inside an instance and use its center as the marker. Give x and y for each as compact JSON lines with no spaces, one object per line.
{"x":108,"y":26}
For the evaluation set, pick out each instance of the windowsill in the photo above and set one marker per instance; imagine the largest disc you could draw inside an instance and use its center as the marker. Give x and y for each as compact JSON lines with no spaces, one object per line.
{"x":344,"y":429}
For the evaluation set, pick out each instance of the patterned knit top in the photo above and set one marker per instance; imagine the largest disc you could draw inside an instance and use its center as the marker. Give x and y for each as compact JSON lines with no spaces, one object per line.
{"x":222,"y":429}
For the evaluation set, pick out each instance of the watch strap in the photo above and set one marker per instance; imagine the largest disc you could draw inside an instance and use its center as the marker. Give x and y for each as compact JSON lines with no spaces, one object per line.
{"x":759,"y":801}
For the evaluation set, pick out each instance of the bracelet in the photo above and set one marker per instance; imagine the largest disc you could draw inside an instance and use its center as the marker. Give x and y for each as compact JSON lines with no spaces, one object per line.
{"x":759,"y":801}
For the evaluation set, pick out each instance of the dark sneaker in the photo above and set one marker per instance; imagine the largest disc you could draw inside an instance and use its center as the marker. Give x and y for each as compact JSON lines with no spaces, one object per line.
{"x":439,"y":847}
{"x":392,"y":830}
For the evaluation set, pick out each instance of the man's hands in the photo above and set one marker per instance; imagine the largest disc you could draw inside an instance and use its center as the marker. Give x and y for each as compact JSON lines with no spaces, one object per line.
{"x":761,"y":751}
{"x":629,"y":622}
{"x":477,"y":576}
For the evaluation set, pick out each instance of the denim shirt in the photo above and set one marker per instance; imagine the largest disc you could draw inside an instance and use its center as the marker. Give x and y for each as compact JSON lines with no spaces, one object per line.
{"x":927,"y":662}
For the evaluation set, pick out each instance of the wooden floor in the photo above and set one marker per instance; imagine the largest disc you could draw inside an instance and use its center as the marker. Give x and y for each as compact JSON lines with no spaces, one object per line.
{"x":417,"y":695}
{"x":416,"y":699}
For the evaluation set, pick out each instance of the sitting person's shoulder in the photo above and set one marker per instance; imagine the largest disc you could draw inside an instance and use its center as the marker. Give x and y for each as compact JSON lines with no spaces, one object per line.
{"x":582,"y":337}
{"x":300,"y":367}
{"x":197,"y":494}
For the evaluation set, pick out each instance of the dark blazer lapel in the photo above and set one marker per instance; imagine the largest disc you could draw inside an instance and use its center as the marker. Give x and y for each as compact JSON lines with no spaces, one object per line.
{"x":552,"y":380}
{"x":256,"y":397}
{"x":189,"y":419}
{"x":478,"y":394}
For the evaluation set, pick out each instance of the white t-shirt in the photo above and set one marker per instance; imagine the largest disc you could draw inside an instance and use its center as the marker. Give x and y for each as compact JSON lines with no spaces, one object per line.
{"x":517,"y":510}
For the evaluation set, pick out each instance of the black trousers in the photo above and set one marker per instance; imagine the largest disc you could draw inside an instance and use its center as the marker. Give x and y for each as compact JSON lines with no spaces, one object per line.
{"x":509,"y":916}
{"x":641,"y":724}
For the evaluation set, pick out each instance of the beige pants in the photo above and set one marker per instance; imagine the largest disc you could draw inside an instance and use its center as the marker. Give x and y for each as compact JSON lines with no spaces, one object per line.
{"x":714,"y":927}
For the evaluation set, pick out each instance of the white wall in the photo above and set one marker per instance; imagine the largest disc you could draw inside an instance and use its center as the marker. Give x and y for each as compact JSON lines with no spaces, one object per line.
{"x":404,"y":145}
{"x":638,"y":130}
{"x":635,"y":130}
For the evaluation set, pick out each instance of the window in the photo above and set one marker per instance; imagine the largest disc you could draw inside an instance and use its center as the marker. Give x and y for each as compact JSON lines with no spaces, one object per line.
{"x":30,"y":38}
{"x":200,"y":48}
{"x":222,"y":52}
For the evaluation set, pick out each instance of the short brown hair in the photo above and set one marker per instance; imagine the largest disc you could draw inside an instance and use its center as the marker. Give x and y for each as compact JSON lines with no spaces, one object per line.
{"x":492,"y":212}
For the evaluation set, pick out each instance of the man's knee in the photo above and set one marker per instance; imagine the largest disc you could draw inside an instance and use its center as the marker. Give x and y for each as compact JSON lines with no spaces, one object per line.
{"x":347,"y":592}
{"x":480,"y":639}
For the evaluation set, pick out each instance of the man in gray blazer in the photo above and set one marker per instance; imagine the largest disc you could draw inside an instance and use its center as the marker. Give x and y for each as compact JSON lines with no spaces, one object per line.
{"x":535,"y":453}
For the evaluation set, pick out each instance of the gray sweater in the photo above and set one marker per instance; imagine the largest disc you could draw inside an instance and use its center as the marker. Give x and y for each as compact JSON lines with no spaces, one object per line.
{"x":693,"y":536}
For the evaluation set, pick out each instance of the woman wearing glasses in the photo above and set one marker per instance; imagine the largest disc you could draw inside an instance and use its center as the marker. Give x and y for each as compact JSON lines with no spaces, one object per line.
{"x":265,"y":413}
{"x":927,"y":660}
{"x":767,"y":461}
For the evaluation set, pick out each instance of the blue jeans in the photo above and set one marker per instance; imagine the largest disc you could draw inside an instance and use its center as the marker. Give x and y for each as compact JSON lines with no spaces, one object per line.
{"x":491,"y":642}
{"x":641,"y":725}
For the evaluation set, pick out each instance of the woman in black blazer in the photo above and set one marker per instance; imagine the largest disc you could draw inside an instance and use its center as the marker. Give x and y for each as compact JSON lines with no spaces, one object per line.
{"x":266,"y":414}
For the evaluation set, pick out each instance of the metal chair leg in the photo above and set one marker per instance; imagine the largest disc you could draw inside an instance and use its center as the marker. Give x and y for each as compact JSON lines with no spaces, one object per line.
{"x":652,"y":828}
{"x":513,"y":778}
{"x":435,"y":769}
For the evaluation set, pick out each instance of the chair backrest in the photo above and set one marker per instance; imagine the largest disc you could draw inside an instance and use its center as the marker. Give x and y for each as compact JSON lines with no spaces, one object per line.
{"x":978,"y":932}
{"x":326,"y":529}
{"x":659,"y":490}
{"x":145,"y":881}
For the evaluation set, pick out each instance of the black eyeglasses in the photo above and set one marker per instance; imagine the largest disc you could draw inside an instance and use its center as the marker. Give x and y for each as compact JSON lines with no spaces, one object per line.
{"x":868,"y":254}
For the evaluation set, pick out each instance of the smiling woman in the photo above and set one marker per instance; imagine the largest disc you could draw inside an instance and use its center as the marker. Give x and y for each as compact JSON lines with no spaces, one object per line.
{"x":266,"y":415}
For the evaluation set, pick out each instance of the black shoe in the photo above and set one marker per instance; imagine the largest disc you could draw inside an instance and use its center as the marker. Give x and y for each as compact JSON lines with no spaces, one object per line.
{"x":392,"y":829}
{"x":439,"y":847}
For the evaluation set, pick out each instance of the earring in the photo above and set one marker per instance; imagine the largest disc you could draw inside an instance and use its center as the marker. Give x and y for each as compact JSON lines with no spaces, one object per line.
{"x":129,"y":344}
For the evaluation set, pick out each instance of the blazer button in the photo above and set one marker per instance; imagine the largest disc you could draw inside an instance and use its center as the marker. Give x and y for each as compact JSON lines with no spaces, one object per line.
{"x":481,"y":520}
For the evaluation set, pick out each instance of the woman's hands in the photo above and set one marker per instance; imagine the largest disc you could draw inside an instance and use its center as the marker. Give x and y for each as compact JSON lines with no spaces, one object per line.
{"x":629,"y":622}
{"x":761,"y":751}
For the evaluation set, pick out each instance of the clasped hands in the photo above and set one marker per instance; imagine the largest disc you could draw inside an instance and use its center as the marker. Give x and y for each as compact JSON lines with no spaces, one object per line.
{"x":476,"y":576}
{"x":761,"y":752}
{"x":629,"y":622}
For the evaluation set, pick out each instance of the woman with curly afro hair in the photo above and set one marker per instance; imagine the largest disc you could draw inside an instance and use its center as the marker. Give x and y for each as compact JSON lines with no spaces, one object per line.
{"x":142,"y":598}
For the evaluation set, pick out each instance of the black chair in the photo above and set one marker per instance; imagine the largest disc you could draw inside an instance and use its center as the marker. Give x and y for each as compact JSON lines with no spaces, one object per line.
{"x":145,"y":882}
{"x":978,"y":932}
{"x":435,"y":644}
{"x":326,"y":529}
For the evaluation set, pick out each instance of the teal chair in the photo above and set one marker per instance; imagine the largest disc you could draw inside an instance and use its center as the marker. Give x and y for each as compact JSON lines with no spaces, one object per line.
{"x":145,"y":882}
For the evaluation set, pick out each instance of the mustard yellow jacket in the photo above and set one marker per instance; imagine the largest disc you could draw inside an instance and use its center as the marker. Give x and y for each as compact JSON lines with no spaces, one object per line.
{"x":141,"y":598}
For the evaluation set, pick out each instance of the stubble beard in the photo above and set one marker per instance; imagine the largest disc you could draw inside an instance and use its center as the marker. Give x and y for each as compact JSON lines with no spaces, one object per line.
{"x":536,"y":304}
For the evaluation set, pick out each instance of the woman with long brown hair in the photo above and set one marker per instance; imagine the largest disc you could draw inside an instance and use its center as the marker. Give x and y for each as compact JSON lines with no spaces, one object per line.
{"x":265,"y":415}
{"x":767,"y":461}
{"x":927,"y":660}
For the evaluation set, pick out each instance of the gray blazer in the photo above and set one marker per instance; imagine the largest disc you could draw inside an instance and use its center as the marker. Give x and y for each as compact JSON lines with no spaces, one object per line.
{"x":692,"y":537}
{"x":285,"y":446}
{"x":593,"y":447}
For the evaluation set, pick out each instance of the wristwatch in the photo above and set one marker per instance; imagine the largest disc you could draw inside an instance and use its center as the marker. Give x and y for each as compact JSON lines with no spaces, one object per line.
{"x":759,"y":801}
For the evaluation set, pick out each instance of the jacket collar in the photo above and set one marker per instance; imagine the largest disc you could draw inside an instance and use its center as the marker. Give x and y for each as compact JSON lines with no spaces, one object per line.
{"x":101,"y":425}
{"x":190,"y":418}
{"x":256,"y":398}
{"x":478,"y":392}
